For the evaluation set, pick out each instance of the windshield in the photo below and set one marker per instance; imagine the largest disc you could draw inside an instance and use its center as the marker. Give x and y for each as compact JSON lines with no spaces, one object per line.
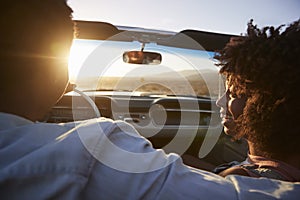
{"x":98,"y":65}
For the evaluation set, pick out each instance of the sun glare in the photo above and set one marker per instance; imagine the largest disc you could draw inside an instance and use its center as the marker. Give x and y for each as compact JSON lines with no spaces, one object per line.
{"x":78,"y":54}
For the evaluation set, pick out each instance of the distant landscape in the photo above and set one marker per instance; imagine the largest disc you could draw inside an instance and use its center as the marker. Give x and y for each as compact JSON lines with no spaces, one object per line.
{"x":186,"y":82}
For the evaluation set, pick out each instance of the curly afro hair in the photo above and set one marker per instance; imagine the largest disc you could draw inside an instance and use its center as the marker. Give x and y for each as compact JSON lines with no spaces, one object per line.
{"x":264,"y":65}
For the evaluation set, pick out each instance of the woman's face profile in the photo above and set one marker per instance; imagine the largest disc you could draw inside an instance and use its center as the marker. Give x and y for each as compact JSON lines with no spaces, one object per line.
{"x":232,"y":107}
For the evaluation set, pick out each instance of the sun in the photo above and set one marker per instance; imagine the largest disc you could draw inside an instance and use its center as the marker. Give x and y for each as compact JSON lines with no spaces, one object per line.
{"x":79,"y":52}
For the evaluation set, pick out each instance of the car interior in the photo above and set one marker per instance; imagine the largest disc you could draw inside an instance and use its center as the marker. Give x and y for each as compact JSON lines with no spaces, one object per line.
{"x":173,"y":106}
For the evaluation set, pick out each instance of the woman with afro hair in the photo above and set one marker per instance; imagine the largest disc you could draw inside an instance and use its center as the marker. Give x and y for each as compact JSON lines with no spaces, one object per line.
{"x":262,"y":100}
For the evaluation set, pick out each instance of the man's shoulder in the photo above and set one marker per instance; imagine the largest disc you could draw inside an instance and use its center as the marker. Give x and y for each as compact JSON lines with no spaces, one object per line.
{"x":49,"y":144}
{"x":52,"y":155}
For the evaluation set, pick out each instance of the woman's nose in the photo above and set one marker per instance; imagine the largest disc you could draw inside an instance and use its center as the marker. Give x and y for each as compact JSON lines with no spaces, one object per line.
{"x":222,"y":101}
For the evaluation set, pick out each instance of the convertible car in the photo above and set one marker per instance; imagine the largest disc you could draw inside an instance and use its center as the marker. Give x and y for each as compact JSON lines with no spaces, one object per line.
{"x":163,"y":83}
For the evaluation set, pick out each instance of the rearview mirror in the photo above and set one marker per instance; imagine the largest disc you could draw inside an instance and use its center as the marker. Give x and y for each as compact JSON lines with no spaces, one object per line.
{"x":142,"y":57}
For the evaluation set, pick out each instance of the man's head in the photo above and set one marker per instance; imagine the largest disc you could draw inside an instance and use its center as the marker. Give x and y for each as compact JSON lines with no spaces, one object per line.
{"x":35,"y":39}
{"x":264,"y":66}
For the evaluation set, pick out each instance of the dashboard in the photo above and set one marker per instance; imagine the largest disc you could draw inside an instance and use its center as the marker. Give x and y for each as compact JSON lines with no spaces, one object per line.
{"x":176,"y":124}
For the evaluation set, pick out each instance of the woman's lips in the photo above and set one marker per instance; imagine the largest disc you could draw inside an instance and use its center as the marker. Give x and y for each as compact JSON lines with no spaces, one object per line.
{"x":225,"y":117}
{"x":227,"y":120}
{"x":228,"y":123}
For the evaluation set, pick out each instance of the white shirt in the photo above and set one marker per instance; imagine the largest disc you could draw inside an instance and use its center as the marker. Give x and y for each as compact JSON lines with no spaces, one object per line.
{"x":105,"y":159}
